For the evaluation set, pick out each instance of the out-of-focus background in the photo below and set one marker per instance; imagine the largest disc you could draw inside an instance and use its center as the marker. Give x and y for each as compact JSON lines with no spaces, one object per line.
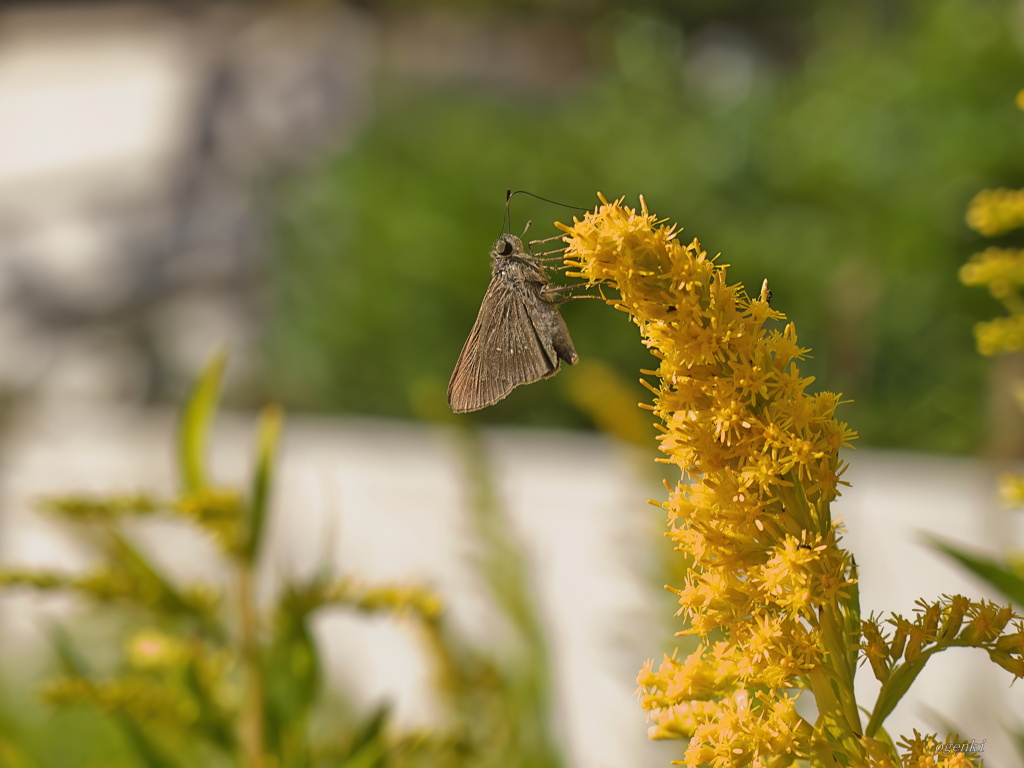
{"x":315,"y":187}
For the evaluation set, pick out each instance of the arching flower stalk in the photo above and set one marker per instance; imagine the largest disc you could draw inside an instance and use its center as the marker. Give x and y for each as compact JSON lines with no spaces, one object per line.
{"x":771,"y":596}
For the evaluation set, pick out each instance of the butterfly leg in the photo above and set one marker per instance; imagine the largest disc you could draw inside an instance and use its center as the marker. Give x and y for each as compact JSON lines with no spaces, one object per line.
{"x":560,"y":294}
{"x":547,"y":239}
{"x":547,"y":255}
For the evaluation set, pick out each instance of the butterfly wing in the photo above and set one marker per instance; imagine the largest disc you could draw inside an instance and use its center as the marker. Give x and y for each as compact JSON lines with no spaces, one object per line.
{"x":503,"y":350}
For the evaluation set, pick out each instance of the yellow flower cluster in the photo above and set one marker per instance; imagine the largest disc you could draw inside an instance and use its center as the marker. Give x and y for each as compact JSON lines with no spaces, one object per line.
{"x":926,"y":751}
{"x":1001,"y":270}
{"x":142,"y":699}
{"x":771,"y":596}
{"x":219,"y":512}
{"x":418,"y":600}
{"x":150,"y":649}
{"x":760,"y":463}
{"x":898,"y":655}
{"x":996,"y":211}
{"x":86,"y":508}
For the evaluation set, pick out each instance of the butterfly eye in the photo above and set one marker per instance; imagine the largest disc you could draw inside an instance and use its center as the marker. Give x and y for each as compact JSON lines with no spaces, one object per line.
{"x":504,"y":247}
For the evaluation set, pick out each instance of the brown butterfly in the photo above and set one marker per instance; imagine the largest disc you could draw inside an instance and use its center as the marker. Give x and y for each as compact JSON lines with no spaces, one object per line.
{"x":519,"y":335}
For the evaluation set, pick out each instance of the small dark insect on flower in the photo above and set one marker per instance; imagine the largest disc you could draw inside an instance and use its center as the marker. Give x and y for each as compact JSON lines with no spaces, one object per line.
{"x":519,"y":335}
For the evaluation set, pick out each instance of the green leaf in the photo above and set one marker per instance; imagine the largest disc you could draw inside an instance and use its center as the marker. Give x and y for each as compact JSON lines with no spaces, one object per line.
{"x":852,"y":616}
{"x":293,"y":673}
{"x":150,"y":754}
{"x":995,"y":573}
{"x":195,"y":425}
{"x":212,"y":721}
{"x":167,"y":596}
{"x":893,"y":689}
{"x":266,"y":449}
{"x":370,"y":749}
{"x":1018,"y":742}
{"x":71,"y":662}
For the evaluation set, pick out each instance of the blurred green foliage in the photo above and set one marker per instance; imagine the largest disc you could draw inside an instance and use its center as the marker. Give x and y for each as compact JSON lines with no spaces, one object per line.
{"x":832,"y":151}
{"x":182,"y":675}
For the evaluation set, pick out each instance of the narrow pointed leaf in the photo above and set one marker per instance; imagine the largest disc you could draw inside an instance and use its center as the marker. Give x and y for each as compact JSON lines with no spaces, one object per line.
{"x":266,"y":450}
{"x":893,"y":690}
{"x":213,"y":721}
{"x":150,"y":754}
{"x":1018,"y":742}
{"x":135,"y":562}
{"x":1009,"y":583}
{"x":369,"y":749}
{"x":71,"y":662}
{"x":852,"y":616}
{"x":194,"y":425}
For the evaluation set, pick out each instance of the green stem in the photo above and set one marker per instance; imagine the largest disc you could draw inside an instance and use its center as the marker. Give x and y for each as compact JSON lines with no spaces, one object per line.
{"x":836,"y":644}
{"x":250,"y":725}
{"x":895,"y":687}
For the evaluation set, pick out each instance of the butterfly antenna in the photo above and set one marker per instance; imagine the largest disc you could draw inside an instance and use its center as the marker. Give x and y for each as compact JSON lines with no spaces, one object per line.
{"x":506,"y":222}
{"x":509,"y":194}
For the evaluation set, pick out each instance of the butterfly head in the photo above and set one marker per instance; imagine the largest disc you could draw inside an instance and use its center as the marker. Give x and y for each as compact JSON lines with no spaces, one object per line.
{"x":507,"y":246}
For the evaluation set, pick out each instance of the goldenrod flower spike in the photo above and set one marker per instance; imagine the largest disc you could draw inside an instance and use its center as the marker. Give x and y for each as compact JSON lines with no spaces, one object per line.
{"x":771,"y":595}
{"x":763,"y":456}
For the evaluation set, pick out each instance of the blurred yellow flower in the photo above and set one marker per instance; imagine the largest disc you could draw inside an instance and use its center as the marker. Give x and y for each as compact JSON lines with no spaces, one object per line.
{"x":996,"y":211}
{"x":1001,"y":270}
{"x":153,"y":649}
